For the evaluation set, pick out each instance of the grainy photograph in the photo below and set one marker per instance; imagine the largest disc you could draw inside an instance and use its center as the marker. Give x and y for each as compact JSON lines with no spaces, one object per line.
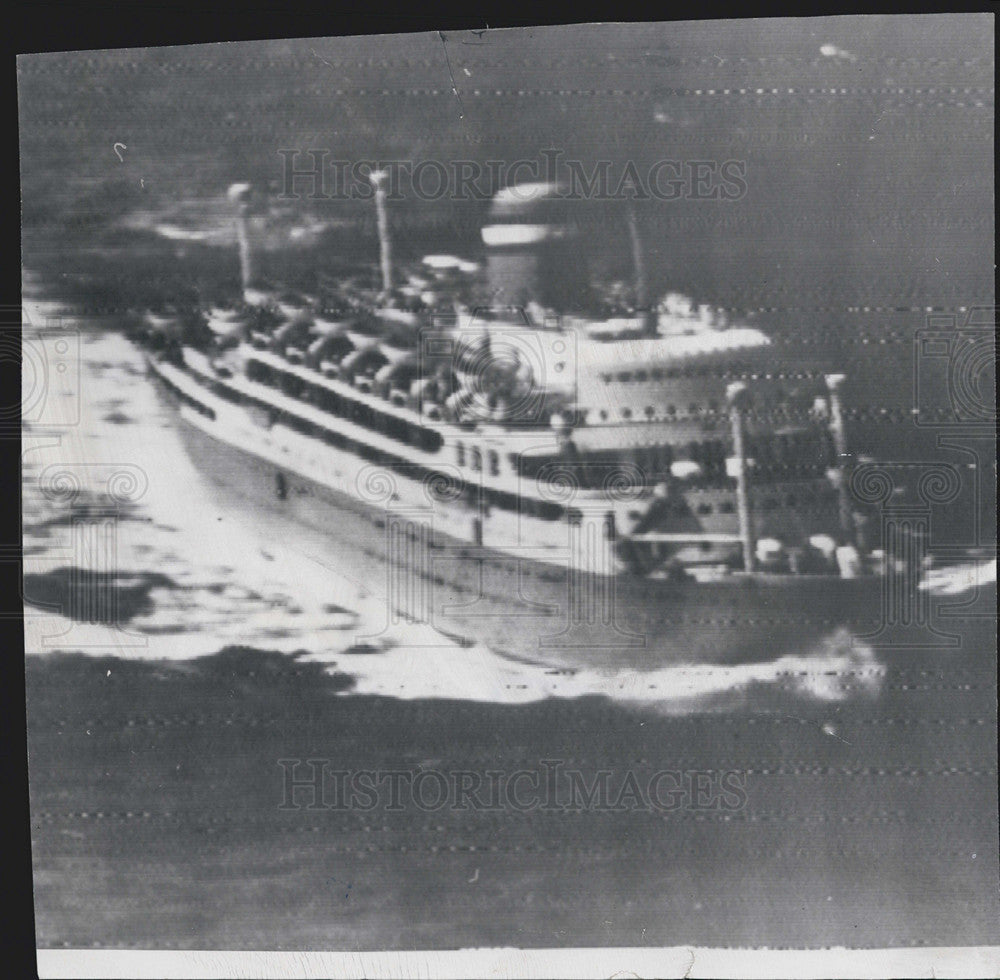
{"x":512,"y":502}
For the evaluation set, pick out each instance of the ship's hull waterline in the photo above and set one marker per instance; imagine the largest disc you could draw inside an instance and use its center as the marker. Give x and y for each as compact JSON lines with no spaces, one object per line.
{"x":531,"y":610}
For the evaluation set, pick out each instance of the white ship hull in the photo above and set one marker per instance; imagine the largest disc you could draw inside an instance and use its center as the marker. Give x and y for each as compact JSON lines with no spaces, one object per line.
{"x":530,"y":603}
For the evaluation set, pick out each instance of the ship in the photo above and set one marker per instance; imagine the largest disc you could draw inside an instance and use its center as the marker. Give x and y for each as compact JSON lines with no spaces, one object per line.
{"x":647,"y":487}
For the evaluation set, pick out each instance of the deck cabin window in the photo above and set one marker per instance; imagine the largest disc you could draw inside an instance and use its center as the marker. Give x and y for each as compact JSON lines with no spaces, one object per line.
{"x":460,"y":453}
{"x":671,"y":410}
{"x":640,"y":376}
{"x":626,"y":413}
{"x":650,"y":411}
{"x":704,"y":508}
{"x":494,"y":459}
{"x":477,"y":459}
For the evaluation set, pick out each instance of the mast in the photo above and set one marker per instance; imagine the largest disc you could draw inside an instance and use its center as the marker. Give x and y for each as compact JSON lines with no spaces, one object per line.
{"x":639,"y":267}
{"x":736,"y":394}
{"x":239,"y":194}
{"x":377,"y":177}
{"x":833,"y":383}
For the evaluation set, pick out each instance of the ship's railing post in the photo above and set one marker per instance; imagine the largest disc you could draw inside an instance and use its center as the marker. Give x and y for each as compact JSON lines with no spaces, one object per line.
{"x":738,"y":398}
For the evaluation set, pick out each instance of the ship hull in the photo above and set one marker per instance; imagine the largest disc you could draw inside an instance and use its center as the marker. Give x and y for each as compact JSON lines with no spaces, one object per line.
{"x":532,"y":610}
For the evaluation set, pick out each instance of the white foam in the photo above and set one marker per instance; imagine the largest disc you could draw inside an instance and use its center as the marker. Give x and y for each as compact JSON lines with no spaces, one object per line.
{"x":478,"y":674}
{"x":956,"y":579}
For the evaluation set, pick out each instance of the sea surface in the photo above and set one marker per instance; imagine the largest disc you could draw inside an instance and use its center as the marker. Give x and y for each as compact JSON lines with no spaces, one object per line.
{"x":179,"y":660}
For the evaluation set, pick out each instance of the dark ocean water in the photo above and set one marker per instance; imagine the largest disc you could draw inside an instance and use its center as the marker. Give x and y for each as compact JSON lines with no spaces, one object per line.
{"x":870,"y":813}
{"x":868,"y":143}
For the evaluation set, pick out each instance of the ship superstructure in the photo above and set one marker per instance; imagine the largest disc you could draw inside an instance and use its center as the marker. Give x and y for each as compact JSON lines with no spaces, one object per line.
{"x":663,"y":446}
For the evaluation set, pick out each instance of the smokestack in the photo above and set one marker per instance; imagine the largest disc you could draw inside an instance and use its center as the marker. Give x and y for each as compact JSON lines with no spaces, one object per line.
{"x":377,"y":177}
{"x":239,"y":195}
{"x":532,"y":253}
